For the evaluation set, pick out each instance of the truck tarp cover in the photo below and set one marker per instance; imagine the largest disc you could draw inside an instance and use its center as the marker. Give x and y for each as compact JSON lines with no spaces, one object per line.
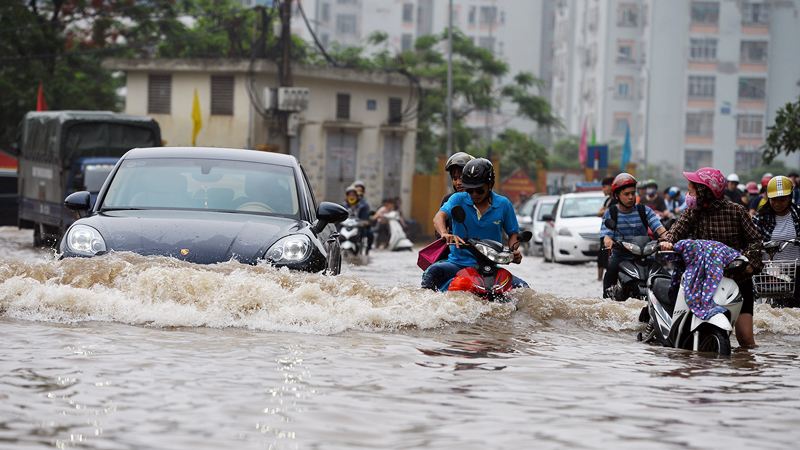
{"x":66,"y":135}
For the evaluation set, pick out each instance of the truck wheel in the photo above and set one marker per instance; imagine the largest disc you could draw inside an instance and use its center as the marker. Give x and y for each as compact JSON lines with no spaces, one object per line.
{"x":37,"y":235}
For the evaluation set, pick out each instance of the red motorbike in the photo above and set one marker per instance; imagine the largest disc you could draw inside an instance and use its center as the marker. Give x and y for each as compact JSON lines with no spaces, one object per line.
{"x":486,"y":279}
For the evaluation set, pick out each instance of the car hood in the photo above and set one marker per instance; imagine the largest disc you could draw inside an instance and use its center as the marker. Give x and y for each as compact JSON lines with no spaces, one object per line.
{"x":580,"y":224}
{"x":202,"y":237}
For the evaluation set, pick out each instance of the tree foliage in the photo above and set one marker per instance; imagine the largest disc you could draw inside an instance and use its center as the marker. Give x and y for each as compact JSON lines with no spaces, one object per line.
{"x":784,"y":135}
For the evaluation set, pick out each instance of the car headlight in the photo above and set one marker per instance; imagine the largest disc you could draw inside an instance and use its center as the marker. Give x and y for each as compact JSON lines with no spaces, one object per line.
{"x":85,"y":240}
{"x":564,"y":232}
{"x":294,"y":248}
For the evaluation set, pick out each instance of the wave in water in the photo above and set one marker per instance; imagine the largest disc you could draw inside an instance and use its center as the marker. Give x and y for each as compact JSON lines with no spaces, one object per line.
{"x":164,"y":292}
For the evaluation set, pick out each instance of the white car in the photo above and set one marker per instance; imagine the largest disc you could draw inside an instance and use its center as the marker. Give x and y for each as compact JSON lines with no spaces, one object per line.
{"x":573,"y":232}
{"x":544,"y":207}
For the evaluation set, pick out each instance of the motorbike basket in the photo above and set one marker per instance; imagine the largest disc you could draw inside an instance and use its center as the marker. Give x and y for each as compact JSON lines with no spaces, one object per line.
{"x":776,"y":279}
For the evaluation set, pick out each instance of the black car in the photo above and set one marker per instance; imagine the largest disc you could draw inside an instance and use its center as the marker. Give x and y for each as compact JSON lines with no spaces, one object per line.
{"x":208,"y":205}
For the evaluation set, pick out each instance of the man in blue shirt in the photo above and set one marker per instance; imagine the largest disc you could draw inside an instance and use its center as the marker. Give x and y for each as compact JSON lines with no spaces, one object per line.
{"x":632,"y":220}
{"x":488,"y":215}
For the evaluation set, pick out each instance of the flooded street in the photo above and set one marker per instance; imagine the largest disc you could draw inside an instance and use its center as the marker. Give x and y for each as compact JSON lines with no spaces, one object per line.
{"x":127,"y":352}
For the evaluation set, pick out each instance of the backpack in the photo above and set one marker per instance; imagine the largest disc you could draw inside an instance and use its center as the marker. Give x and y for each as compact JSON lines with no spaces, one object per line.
{"x":614,"y":213}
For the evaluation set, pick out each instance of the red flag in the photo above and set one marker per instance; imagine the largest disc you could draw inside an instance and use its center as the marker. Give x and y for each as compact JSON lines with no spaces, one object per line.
{"x":41,"y":105}
{"x":582,"y":149}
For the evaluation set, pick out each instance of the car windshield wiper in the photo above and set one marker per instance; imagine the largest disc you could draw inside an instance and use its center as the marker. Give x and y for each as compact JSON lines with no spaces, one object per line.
{"x":121,"y":209}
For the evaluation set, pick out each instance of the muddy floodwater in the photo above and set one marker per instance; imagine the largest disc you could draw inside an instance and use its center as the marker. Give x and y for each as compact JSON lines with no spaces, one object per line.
{"x":127,"y":352}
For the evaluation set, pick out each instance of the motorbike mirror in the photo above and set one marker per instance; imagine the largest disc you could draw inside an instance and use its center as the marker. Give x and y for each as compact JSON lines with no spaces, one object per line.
{"x":525,"y":236}
{"x":458,"y":214}
{"x":610,"y":223}
{"x":78,"y":201}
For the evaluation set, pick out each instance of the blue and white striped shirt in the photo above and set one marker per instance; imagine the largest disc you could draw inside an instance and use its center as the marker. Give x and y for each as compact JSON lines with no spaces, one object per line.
{"x":630,"y":224}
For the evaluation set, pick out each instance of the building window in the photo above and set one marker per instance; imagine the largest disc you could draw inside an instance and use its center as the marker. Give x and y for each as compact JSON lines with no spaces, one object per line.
{"x":624,"y":52}
{"x":346,"y":23}
{"x":627,"y":15}
{"x":752,"y":88}
{"x":705,"y":13}
{"x":406,"y":42}
{"x":620,"y":125}
{"x":221,"y":95}
{"x":372,"y":105}
{"x":471,"y":16}
{"x":488,"y":15}
{"x":700,"y":124}
{"x":701,"y":86}
{"x":486,"y":43}
{"x":747,"y":160}
{"x":703,"y":49}
{"x":623,"y":88}
{"x":754,"y":13}
{"x":343,"y":106}
{"x":326,"y":12}
{"x":750,"y":125}
{"x":395,"y":110}
{"x":408,"y":13}
{"x":695,"y":159}
{"x":754,"y":52}
{"x":159,"y":94}
{"x":324,"y":39}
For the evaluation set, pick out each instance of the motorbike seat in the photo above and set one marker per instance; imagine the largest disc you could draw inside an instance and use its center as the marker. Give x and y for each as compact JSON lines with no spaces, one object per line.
{"x":661,"y":288}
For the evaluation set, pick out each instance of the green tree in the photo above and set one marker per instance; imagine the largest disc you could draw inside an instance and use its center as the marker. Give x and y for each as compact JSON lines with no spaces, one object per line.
{"x":565,"y":154}
{"x":784,"y":135}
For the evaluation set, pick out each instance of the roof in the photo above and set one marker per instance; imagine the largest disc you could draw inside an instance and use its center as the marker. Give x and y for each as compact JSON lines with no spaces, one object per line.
{"x":66,"y":115}
{"x":585,"y":194}
{"x":235,"y":154}
{"x":261,"y":66}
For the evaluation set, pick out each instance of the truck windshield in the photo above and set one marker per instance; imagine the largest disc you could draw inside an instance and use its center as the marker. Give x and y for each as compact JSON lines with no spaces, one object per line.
{"x":94,"y":175}
{"x":106,"y":139}
{"x":219,"y":185}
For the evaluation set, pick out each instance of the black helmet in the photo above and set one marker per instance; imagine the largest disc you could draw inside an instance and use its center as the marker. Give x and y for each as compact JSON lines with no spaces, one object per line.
{"x":478,"y":172}
{"x":459,"y":159}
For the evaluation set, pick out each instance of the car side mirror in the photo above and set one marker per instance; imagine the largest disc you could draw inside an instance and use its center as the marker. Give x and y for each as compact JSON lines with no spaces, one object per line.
{"x":525,"y":236}
{"x":547,"y":218}
{"x":610,"y":224}
{"x":328,"y":212}
{"x":458,"y":214}
{"x":79,"y":201}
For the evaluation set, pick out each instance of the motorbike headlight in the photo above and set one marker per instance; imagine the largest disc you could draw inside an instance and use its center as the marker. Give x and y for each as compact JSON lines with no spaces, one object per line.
{"x":650,"y":248}
{"x":85,"y":240}
{"x":294,"y":248}
{"x":564,"y":232}
{"x":494,"y":256}
{"x":633,"y":248}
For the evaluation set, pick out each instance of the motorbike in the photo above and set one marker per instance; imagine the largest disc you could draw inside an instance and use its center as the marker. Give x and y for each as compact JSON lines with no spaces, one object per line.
{"x":353,"y":241}
{"x":671,"y":323}
{"x":486,"y":280}
{"x":775,"y":284}
{"x":635,"y":271}
{"x":398,"y":241}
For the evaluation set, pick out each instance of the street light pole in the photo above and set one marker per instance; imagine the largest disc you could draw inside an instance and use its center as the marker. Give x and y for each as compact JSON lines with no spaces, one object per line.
{"x":450,"y":78}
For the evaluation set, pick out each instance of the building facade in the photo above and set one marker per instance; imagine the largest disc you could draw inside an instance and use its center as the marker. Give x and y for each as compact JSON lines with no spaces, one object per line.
{"x":354,"y":126}
{"x":698,"y":82}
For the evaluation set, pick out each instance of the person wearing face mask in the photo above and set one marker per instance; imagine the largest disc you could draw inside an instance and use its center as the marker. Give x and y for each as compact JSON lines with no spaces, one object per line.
{"x":710,"y":216}
{"x":653,"y":200}
{"x":358,"y":209}
{"x":488,"y":216}
{"x":631,"y":219}
{"x":779,"y":220}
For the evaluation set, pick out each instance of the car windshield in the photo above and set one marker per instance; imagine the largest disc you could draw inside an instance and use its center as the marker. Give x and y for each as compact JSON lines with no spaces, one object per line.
{"x":581,"y":207}
{"x":527,"y":208}
{"x":545,"y":209}
{"x":212,"y":184}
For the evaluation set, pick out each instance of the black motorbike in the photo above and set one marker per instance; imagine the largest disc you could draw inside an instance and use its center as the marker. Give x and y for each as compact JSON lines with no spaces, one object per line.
{"x":637,"y":268}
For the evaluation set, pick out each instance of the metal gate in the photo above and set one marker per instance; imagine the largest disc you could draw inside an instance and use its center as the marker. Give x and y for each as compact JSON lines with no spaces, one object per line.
{"x":340,"y":164}
{"x":392,"y":165}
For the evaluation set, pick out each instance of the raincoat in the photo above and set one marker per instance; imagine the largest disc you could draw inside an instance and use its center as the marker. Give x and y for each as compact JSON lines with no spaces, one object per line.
{"x":701,"y":272}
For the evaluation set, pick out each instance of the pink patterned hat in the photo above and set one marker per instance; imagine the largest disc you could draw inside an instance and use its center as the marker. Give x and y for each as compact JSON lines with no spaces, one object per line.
{"x":709,"y":177}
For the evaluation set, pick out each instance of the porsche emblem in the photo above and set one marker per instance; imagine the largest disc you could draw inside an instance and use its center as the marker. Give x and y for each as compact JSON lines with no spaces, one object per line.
{"x":184,"y":251}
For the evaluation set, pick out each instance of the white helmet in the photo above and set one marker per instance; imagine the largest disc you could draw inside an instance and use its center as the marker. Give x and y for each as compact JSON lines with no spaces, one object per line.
{"x":733,"y":178}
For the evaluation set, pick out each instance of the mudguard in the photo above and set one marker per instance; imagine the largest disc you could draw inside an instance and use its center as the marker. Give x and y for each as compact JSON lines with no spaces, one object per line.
{"x":718,"y":320}
{"x":469,"y":279}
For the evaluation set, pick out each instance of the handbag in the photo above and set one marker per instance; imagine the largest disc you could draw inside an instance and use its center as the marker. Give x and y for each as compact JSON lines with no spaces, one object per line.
{"x":435,"y":251}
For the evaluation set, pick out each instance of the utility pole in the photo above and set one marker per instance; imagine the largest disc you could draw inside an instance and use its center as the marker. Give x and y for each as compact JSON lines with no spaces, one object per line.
{"x":285,"y":69}
{"x":450,"y":78}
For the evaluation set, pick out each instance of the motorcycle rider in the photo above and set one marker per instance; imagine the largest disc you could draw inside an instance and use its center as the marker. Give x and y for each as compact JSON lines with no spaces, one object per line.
{"x":732,"y":191}
{"x":488,"y":215}
{"x":454,"y":167}
{"x":358,"y":209}
{"x":780,"y":220}
{"x":631,"y":219}
{"x":711,"y":217}
{"x":361,"y":189}
{"x":602,"y":255}
{"x":653,"y":200}
{"x":760,"y":200}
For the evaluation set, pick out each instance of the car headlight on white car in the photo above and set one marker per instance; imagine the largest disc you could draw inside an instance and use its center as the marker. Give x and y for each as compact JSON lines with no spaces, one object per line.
{"x":85,"y":240}
{"x":290,"y":249}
